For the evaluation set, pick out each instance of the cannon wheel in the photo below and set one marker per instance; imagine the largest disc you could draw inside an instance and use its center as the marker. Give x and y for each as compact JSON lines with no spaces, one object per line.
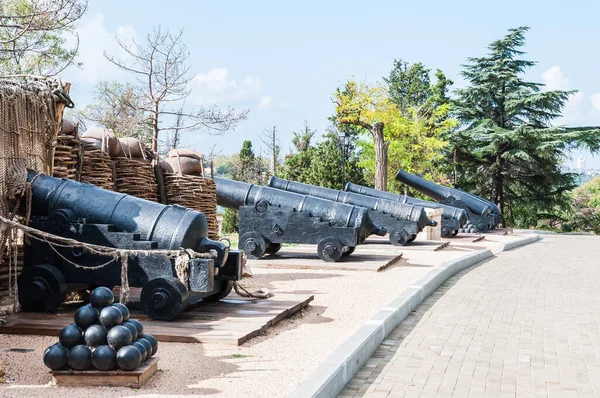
{"x":447,"y":232}
{"x":349,"y":251}
{"x":226,"y":287}
{"x":411,"y":239}
{"x":272,"y":248}
{"x":164,"y":298}
{"x":330,"y":249}
{"x":399,"y":238}
{"x":481,"y":227}
{"x":253,"y":244}
{"x":42,"y":288}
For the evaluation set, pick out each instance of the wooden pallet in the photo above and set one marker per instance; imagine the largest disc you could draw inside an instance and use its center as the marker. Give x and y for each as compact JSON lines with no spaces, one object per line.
{"x":113,"y":378}
{"x":231,"y":321}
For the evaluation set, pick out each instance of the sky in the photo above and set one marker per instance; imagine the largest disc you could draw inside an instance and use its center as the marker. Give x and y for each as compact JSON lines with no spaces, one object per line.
{"x":283,"y":60}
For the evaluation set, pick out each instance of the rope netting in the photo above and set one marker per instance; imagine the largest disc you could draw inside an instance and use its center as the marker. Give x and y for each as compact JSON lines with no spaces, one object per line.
{"x":29,"y":124}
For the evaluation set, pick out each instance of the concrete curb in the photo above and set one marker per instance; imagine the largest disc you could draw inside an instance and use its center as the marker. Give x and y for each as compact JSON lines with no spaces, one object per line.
{"x":534,"y":231}
{"x":330,"y":378}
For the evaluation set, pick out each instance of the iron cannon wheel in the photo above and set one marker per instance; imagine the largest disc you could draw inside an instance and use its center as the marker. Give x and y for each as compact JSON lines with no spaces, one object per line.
{"x":164,"y":298}
{"x":481,"y":227}
{"x":272,"y":248}
{"x":411,"y":239}
{"x":253,"y":244}
{"x":447,"y":232}
{"x":399,"y":238}
{"x":330,"y":249}
{"x":42,"y":288}
{"x":226,"y":288}
{"x":349,"y":251}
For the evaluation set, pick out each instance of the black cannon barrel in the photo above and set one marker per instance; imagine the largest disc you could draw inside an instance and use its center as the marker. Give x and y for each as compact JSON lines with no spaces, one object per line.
{"x":441,"y":193}
{"x":234,"y":194}
{"x":172,"y":227}
{"x":494,"y":209}
{"x":450,"y":212}
{"x":408,"y":212}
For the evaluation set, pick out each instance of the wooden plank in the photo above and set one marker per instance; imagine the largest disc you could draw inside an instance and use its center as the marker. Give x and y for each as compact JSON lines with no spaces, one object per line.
{"x":114,"y":378}
{"x":231,"y":321}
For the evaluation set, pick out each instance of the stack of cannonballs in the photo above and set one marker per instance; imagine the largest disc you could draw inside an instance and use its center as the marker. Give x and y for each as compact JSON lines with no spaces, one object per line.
{"x":67,"y":152}
{"x":469,"y":228}
{"x":186,"y":185}
{"x":103,"y":337}
{"x":98,"y":145}
{"x":134,"y":174}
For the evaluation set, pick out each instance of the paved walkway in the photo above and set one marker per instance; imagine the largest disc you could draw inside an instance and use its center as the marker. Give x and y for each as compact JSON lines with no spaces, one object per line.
{"x":526,"y":323}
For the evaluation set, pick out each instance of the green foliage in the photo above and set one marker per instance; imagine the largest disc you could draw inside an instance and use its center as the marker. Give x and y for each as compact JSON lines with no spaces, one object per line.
{"x":247,"y":167}
{"x":586,"y":203}
{"x":321,"y":164}
{"x":33,"y":35}
{"x":230,"y":221}
{"x":507,"y":149}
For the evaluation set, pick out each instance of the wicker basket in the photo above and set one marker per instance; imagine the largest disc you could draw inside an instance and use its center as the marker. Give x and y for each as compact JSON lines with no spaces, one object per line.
{"x":194,"y":192}
{"x":136,"y":178}
{"x":96,"y":168}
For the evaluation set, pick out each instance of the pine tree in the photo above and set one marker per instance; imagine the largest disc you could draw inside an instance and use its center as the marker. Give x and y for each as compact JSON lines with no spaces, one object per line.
{"x":507,"y":148}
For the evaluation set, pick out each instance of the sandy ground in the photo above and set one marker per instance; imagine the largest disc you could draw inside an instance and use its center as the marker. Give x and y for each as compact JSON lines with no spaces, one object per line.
{"x":267,"y":366}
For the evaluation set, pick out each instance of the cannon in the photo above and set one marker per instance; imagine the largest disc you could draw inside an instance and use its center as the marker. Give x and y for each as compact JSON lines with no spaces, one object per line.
{"x":478,"y":211}
{"x":453,"y":218}
{"x":402,"y":221}
{"x":269,"y":217}
{"x":494,"y":209}
{"x":152,"y":231}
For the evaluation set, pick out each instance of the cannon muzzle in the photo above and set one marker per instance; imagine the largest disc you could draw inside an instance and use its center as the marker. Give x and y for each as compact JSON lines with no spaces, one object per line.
{"x":441,"y":193}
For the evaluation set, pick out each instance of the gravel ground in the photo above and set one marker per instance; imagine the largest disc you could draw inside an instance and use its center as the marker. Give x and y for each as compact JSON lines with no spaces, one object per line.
{"x":267,"y":366}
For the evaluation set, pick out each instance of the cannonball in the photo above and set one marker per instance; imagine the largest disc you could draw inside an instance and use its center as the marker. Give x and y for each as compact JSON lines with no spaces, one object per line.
{"x":124,"y":310}
{"x":55,"y":357}
{"x":110,"y":316}
{"x":80,"y":357}
{"x":102,"y":297}
{"x":131,"y":326}
{"x":153,"y":342}
{"x":142,"y":348}
{"x":147,"y":346}
{"x":85,"y":316}
{"x":104,"y":358}
{"x":118,"y":337}
{"x":95,"y":336}
{"x":70,"y":336}
{"x":472,"y":230}
{"x":461,"y":230}
{"x":129,"y":358}
{"x":138,"y":326}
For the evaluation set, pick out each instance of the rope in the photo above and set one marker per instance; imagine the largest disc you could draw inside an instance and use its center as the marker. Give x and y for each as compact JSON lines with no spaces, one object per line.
{"x":243,"y":292}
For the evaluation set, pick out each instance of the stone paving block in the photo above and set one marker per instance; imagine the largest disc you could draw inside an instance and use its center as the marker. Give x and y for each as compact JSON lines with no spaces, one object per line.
{"x":526,"y":323}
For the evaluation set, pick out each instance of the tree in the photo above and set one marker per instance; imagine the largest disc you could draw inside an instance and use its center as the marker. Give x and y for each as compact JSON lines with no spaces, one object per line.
{"x":369,"y":108}
{"x":116,"y":106}
{"x":408,"y":86}
{"x":321,"y":164}
{"x":270,"y":138}
{"x":33,"y":35}
{"x":507,"y":148}
{"x":163,"y":81}
{"x":586,"y":203}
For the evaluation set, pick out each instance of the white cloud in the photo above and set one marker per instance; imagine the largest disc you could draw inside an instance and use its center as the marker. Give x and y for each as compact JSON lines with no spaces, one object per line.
{"x":554,"y":79}
{"x":94,"y":39}
{"x":580,"y":109}
{"x":216,"y":86}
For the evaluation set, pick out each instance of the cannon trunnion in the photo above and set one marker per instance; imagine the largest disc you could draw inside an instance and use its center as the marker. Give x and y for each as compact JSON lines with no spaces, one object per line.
{"x":155,"y":235}
{"x":402,"y":221}
{"x":479,"y":211}
{"x":453,"y":218}
{"x":269,"y":217}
